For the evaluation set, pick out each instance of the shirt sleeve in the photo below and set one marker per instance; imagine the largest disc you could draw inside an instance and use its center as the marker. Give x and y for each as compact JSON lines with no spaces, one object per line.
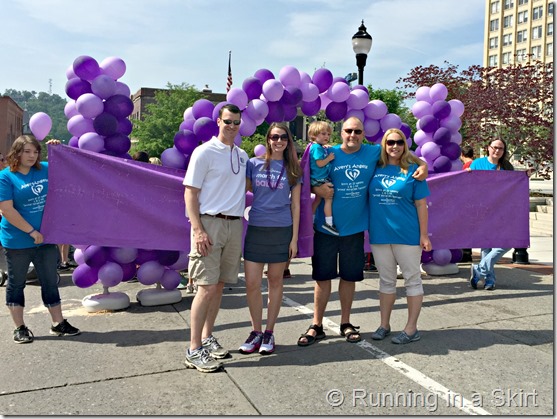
{"x":6,"y":188}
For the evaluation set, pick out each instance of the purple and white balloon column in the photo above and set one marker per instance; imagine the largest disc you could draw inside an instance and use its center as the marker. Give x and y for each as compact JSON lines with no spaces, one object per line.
{"x":438,"y":140}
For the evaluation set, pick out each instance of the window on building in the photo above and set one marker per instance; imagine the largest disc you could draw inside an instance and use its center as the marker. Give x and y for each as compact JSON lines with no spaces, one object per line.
{"x":509,"y":4}
{"x":494,"y":25}
{"x":550,"y":9}
{"x":549,"y":48}
{"x":537,"y":12}
{"x":508,"y":21}
{"x":537,"y":32}
{"x":550,"y":29}
{"x":493,"y":42}
{"x":495,"y":7}
{"x":520,"y":2}
{"x":523,"y":16}
{"x":493,"y":60}
{"x":522,"y":36}
{"x":537,"y":51}
{"x":507,"y":39}
{"x":506,"y":58}
{"x":521,"y":55}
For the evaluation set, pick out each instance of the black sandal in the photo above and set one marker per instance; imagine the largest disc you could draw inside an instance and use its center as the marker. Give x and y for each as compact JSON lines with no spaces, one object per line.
{"x":350,"y":331}
{"x":310,"y":340}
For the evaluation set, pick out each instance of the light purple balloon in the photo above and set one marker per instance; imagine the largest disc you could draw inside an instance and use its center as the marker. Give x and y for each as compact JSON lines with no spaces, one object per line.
{"x":238,"y":140}
{"x":123,"y":254}
{"x":289,"y":76}
{"x":421,"y":109}
{"x":442,"y":257}
{"x":205,"y":128}
{"x":457,"y":107}
{"x":273,"y":90}
{"x":253,"y":87}
{"x":257,"y":109}
{"x":122,"y":89}
{"x":40,"y":125}
{"x":421,"y":137}
{"x":78,"y":125}
{"x":371,"y":127}
{"x":391,"y":120}
{"x":376,"y":109}
{"x":150,"y":272}
{"x":423,"y":94}
{"x":74,"y":142}
{"x":430,"y":151}
{"x":358,"y":99}
{"x":247,"y":127}
{"x":361,"y":87}
{"x":78,"y":256}
{"x":70,"y":109}
{"x":91,"y":141}
{"x":323,"y":79}
{"x":325,"y":100}
{"x":187,"y":124}
{"x":355,"y":113}
{"x":339,"y":92}
{"x":103,"y":86}
{"x":89,"y":105}
{"x":170,"y":279}
{"x":263,"y":75}
{"x":456,"y":138}
{"x":216,"y":112}
{"x":201,"y":108}
{"x":113,"y":67}
{"x":453,"y":123}
{"x":111,"y":274}
{"x":238,"y":97}
{"x":70,"y":73}
{"x":259,"y":150}
{"x":438,"y":92}
{"x":310,"y":92}
{"x":456,"y":165}
{"x":304,"y":77}
{"x":171,"y":157}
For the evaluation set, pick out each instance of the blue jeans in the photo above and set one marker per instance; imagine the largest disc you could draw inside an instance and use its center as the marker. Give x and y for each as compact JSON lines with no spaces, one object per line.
{"x":486,"y":267}
{"x":45,"y":259}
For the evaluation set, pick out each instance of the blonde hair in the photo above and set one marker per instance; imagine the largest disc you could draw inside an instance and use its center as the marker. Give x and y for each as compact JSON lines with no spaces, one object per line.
{"x":155,"y":160}
{"x":318,"y":126}
{"x":405,"y":159}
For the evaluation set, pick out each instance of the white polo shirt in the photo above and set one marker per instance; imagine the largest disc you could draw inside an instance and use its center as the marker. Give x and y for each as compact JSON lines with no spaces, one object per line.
{"x":220,"y":173}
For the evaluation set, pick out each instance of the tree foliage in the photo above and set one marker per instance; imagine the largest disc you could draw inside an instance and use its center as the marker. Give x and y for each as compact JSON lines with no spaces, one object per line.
{"x":155,"y":133}
{"x":514,"y":104}
{"x":51,"y":104}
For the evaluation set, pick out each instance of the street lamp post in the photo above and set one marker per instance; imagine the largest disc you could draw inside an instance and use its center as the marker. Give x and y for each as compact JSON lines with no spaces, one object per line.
{"x":361,"y":44}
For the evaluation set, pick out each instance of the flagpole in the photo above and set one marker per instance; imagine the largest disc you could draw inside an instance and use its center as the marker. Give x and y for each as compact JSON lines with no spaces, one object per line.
{"x":229,"y":78}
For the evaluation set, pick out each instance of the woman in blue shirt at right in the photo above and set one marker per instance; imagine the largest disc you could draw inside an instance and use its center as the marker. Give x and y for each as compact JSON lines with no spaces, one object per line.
{"x":398,"y":232}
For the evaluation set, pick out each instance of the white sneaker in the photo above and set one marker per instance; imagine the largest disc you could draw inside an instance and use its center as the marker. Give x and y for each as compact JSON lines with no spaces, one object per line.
{"x":268,"y":345}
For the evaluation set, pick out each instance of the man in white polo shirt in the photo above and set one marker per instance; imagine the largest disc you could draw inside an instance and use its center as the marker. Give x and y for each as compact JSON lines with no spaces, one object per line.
{"x":215,"y":201}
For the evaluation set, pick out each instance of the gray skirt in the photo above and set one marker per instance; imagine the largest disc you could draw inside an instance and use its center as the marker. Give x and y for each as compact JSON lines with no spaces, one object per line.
{"x":267,"y":244}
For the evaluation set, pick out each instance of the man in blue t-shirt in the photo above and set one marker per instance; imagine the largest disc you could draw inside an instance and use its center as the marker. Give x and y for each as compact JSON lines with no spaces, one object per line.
{"x":351,"y":172}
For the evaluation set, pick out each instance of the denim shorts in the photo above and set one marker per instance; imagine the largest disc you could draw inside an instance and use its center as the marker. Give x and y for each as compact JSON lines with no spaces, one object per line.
{"x":348,"y":250}
{"x":45,"y":259}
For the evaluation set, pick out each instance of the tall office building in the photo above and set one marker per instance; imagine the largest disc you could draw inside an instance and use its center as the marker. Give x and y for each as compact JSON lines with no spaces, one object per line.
{"x":517,"y":31}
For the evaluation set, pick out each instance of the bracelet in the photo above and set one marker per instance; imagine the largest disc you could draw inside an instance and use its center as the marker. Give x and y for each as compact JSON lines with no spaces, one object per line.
{"x":31,"y":231}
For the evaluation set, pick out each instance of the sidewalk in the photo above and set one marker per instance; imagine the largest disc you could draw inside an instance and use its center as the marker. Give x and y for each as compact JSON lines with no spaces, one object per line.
{"x":481,"y":353}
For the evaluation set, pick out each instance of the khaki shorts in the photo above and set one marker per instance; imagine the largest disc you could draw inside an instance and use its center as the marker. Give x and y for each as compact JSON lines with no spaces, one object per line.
{"x":223,"y":263}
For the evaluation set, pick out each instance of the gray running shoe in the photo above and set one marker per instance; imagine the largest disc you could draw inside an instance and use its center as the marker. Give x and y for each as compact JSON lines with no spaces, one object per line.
{"x":213,"y":347}
{"x":201,"y":360}
{"x":23,"y":335}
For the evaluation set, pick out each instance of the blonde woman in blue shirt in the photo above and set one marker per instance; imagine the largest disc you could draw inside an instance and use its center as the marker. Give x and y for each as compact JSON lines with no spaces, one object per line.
{"x":398,"y":232}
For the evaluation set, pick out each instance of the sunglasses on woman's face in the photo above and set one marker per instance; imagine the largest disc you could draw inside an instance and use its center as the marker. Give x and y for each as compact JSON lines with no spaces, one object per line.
{"x":391,"y":143}
{"x":276,"y":137}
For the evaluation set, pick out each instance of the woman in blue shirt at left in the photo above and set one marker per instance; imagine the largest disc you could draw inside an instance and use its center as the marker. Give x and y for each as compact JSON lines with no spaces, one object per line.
{"x":23,"y":189}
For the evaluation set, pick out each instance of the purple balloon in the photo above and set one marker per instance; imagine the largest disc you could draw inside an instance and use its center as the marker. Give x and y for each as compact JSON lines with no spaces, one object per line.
{"x":441,"y":109}
{"x":310,"y":92}
{"x":273,"y":90}
{"x":89,"y":105}
{"x":171,"y":157}
{"x":74,"y":142}
{"x":103,"y":86}
{"x":259,"y":150}
{"x":257,"y":109}
{"x":86,"y":67}
{"x":105,"y":124}
{"x":119,"y":105}
{"x":125,"y":126}
{"x":201,"y":108}
{"x":85,"y":276}
{"x":150,"y":272}
{"x":442,"y":257}
{"x":170,"y":279}
{"x":78,"y":125}
{"x":111,"y":274}
{"x":123,"y":255}
{"x":238,"y":97}
{"x":181,"y":263}
{"x":91,"y":141}
{"x":371,"y":127}
{"x":168,"y":257}
{"x":292,"y":96}
{"x":113,"y":67}
{"x":423,"y":94}
{"x":453,"y":123}
{"x":336,"y":111}
{"x":451,"y":151}
{"x":406,"y":130}
{"x":276,"y":112}
{"x":129,"y":269}
{"x":430,"y":151}
{"x":122,"y":89}
{"x":76,"y":87}
{"x":429,"y":123}
{"x":355,"y":113}
{"x":70,"y":109}
{"x":248,"y":126}
{"x":95,"y":256}
{"x":215,"y":114}
{"x":253,"y":87}
{"x":441,"y":164}
{"x":376,"y":109}
{"x":358,"y":99}
{"x":145,"y":255}
{"x":188,"y":124}
{"x":205,"y":128}
{"x":361,"y":87}
{"x":323,"y":79}
{"x":438,"y":92}
{"x":185,"y":141}
{"x":456,"y":255}
{"x":311,"y":108}
{"x":421,"y":109}
{"x":427,"y":256}
{"x":457,"y":107}
{"x":40,"y":125}
{"x":391,"y":120}
{"x":118,"y":143}
{"x":339,"y":92}
{"x":290,"y":113}
{"x":289,"y":76}
{"x":442,"y":136}
{"x":263,"y":75}
{"x":421,"y":137}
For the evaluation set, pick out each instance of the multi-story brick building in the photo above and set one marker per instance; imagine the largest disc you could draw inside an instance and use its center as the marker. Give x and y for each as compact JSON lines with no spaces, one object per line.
{"x":11,"y":123}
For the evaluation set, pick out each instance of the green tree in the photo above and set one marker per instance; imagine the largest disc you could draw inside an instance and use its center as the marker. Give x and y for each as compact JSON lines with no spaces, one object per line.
{"x":155,"y":133}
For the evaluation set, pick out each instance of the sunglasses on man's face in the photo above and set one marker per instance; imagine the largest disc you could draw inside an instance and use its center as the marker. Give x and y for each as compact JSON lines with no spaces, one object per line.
{"x":355,"y":131}
{"x":230,"y":121}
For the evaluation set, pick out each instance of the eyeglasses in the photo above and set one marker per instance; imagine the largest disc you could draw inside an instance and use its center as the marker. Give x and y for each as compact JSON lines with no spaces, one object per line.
{"x":393,"y":142}
{"x":355,"y":131}
{"x":230,"y":121}
{"x":497,"y":148}
{"x":276,"y":137}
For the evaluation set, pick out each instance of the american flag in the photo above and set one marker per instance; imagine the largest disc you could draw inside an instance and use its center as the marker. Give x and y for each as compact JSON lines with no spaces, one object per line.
{"x":229,"y":79}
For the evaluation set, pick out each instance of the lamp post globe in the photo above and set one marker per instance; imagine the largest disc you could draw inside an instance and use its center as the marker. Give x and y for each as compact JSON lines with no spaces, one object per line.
{"x":361,"y":44}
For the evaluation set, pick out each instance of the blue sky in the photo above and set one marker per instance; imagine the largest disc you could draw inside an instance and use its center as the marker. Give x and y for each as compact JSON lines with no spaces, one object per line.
{"x":176,"y":41}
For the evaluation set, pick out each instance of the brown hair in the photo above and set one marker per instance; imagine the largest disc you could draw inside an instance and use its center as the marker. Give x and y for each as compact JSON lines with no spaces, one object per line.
{"x":14,"y":155}
{"x":293,"y":169}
